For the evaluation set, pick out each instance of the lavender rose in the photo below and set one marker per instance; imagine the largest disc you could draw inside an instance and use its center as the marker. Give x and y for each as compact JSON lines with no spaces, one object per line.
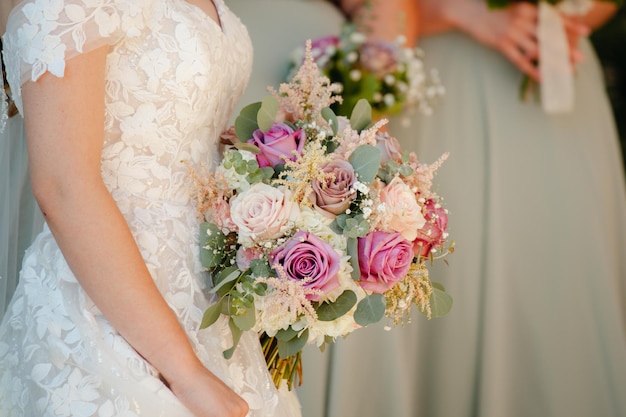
{"x":389,"y":147}
{"x":305,"y":256}
{"x":381,"y":58}
{"x":277,"y":144}
{"x":384,"y":259}
{"x":335,"y":195}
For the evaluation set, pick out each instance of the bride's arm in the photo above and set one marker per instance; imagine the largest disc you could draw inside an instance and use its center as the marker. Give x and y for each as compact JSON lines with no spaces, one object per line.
{"x":64,"y":119}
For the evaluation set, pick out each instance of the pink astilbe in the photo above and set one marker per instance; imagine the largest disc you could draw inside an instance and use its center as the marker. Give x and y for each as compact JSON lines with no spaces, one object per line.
{"x":350,"y":139}
{"x":289,"y":299}
{"x":212,"y":193}
{"x":308,"y":93}
{"x":423,"y":175}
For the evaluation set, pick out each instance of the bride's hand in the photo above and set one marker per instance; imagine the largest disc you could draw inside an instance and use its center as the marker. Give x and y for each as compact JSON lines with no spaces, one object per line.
{"x":205,"y":395}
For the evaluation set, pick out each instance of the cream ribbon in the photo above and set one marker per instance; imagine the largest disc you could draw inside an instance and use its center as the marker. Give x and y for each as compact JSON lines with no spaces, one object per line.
{"x":557,"y":78}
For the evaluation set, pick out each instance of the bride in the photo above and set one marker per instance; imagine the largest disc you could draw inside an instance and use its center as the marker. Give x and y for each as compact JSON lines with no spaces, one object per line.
{"x":118,"y":97}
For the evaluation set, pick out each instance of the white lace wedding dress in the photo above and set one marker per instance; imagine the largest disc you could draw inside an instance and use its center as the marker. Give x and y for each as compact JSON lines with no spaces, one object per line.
{"x":173,"y":75}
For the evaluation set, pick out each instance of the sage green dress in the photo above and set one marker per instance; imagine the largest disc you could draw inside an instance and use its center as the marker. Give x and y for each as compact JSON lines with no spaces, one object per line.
{"x":537,"y":208}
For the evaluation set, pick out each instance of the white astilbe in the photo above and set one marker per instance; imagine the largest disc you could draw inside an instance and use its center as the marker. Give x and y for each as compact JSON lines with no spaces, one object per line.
{"x":308,"y":93}
{"x":285,"y":302}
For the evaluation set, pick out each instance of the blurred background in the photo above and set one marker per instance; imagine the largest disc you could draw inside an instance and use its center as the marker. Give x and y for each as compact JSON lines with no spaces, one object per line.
{"x":610,"y":44}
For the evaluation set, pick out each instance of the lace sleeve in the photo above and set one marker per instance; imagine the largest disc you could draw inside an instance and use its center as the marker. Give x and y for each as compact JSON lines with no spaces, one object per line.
{"x":43,"y":34}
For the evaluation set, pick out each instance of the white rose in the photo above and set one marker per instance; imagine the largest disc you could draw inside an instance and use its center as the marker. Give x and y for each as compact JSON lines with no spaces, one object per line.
{"x":262,"y":213}
{"x":318,"y":224}
{"x":404,"y":214}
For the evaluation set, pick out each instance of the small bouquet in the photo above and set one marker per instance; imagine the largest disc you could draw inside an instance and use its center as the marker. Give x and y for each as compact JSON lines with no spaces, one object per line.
{"x":315,"y":225}
{"x":391,"y":77}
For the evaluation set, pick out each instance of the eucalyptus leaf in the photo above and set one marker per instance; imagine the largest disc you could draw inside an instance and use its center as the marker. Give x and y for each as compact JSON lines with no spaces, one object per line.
{"x":211,"y":315}
{"x":366,"y":160}
{"x":266,"y":115}
{"x":245,"y":321}
{"x":244,"y":146}
{"x":292,"y":346}
{"x":440,"y":302}
{"x":286,"y":334}
{"x":329,"y":115}
{"x":236,"y":332}
{"x":246,"y":122}
{"x":361,"y":116}
{"x":353,"y":252}
{"x":224,"y":277}
{"x":260,"y":268}
{"x":370,"y":309}
{"x":332,"y":311}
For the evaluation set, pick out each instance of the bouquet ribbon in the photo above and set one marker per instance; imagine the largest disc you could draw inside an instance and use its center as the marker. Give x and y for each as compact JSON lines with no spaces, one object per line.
{"x":557,"y":77}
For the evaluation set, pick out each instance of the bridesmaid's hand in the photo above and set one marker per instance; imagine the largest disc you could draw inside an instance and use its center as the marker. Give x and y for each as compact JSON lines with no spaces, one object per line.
{"x":511,"y":31}
{"x":205,"y":395}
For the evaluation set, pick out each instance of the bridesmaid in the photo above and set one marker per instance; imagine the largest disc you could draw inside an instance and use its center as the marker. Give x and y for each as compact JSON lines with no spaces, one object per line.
{"x":538,"y":212}
{"x":20,"y":216}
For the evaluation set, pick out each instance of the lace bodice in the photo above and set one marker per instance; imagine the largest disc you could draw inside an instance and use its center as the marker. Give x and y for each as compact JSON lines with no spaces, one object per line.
{"x":172,"y":77}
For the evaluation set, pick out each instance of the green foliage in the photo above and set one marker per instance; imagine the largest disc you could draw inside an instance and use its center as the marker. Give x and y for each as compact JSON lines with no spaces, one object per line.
{"x":370,"y":309}
{"x":236,"y":332}
{"x":246,"y":122}
{"x":332,"y":311}
{"x":267,"y":113}
{"x":366,"y":160}
{"x":329,"y":115}
{"x":361,"y":116}
{"x":353,"y":252}
{"x":440,"y":301}
{"x":292,"y":346}
{"x":211,"y":315}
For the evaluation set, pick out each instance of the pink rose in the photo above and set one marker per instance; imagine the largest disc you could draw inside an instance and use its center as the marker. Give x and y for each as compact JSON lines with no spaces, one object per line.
{"x":379,"y":57}
{"x":245,"y":255}
{"x":335,"y":195}
{"x":323,"y":48}
{"x":219,"y":214}
{"x":401,"y":208}
{"x":305,"y":256}
{"x":432,"y":235}
{"x":262,"y":212}
{"x":384,"y":259}
{"x":389,"y":147}
{"x":278,"y":144}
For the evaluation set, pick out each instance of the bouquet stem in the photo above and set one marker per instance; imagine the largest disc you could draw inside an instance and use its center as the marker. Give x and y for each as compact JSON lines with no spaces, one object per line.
{"x":288,"y":369}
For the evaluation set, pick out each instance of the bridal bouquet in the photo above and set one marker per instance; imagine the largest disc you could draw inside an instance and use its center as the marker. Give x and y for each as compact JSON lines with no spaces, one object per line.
{"x":316,"y":225}
{"x":389,"y":75}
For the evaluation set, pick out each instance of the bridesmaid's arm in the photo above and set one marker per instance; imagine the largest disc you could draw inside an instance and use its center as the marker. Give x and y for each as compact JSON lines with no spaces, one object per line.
{"x":64,"y":119}
{"x":601,"y":13}
{"x":385,"y":19}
